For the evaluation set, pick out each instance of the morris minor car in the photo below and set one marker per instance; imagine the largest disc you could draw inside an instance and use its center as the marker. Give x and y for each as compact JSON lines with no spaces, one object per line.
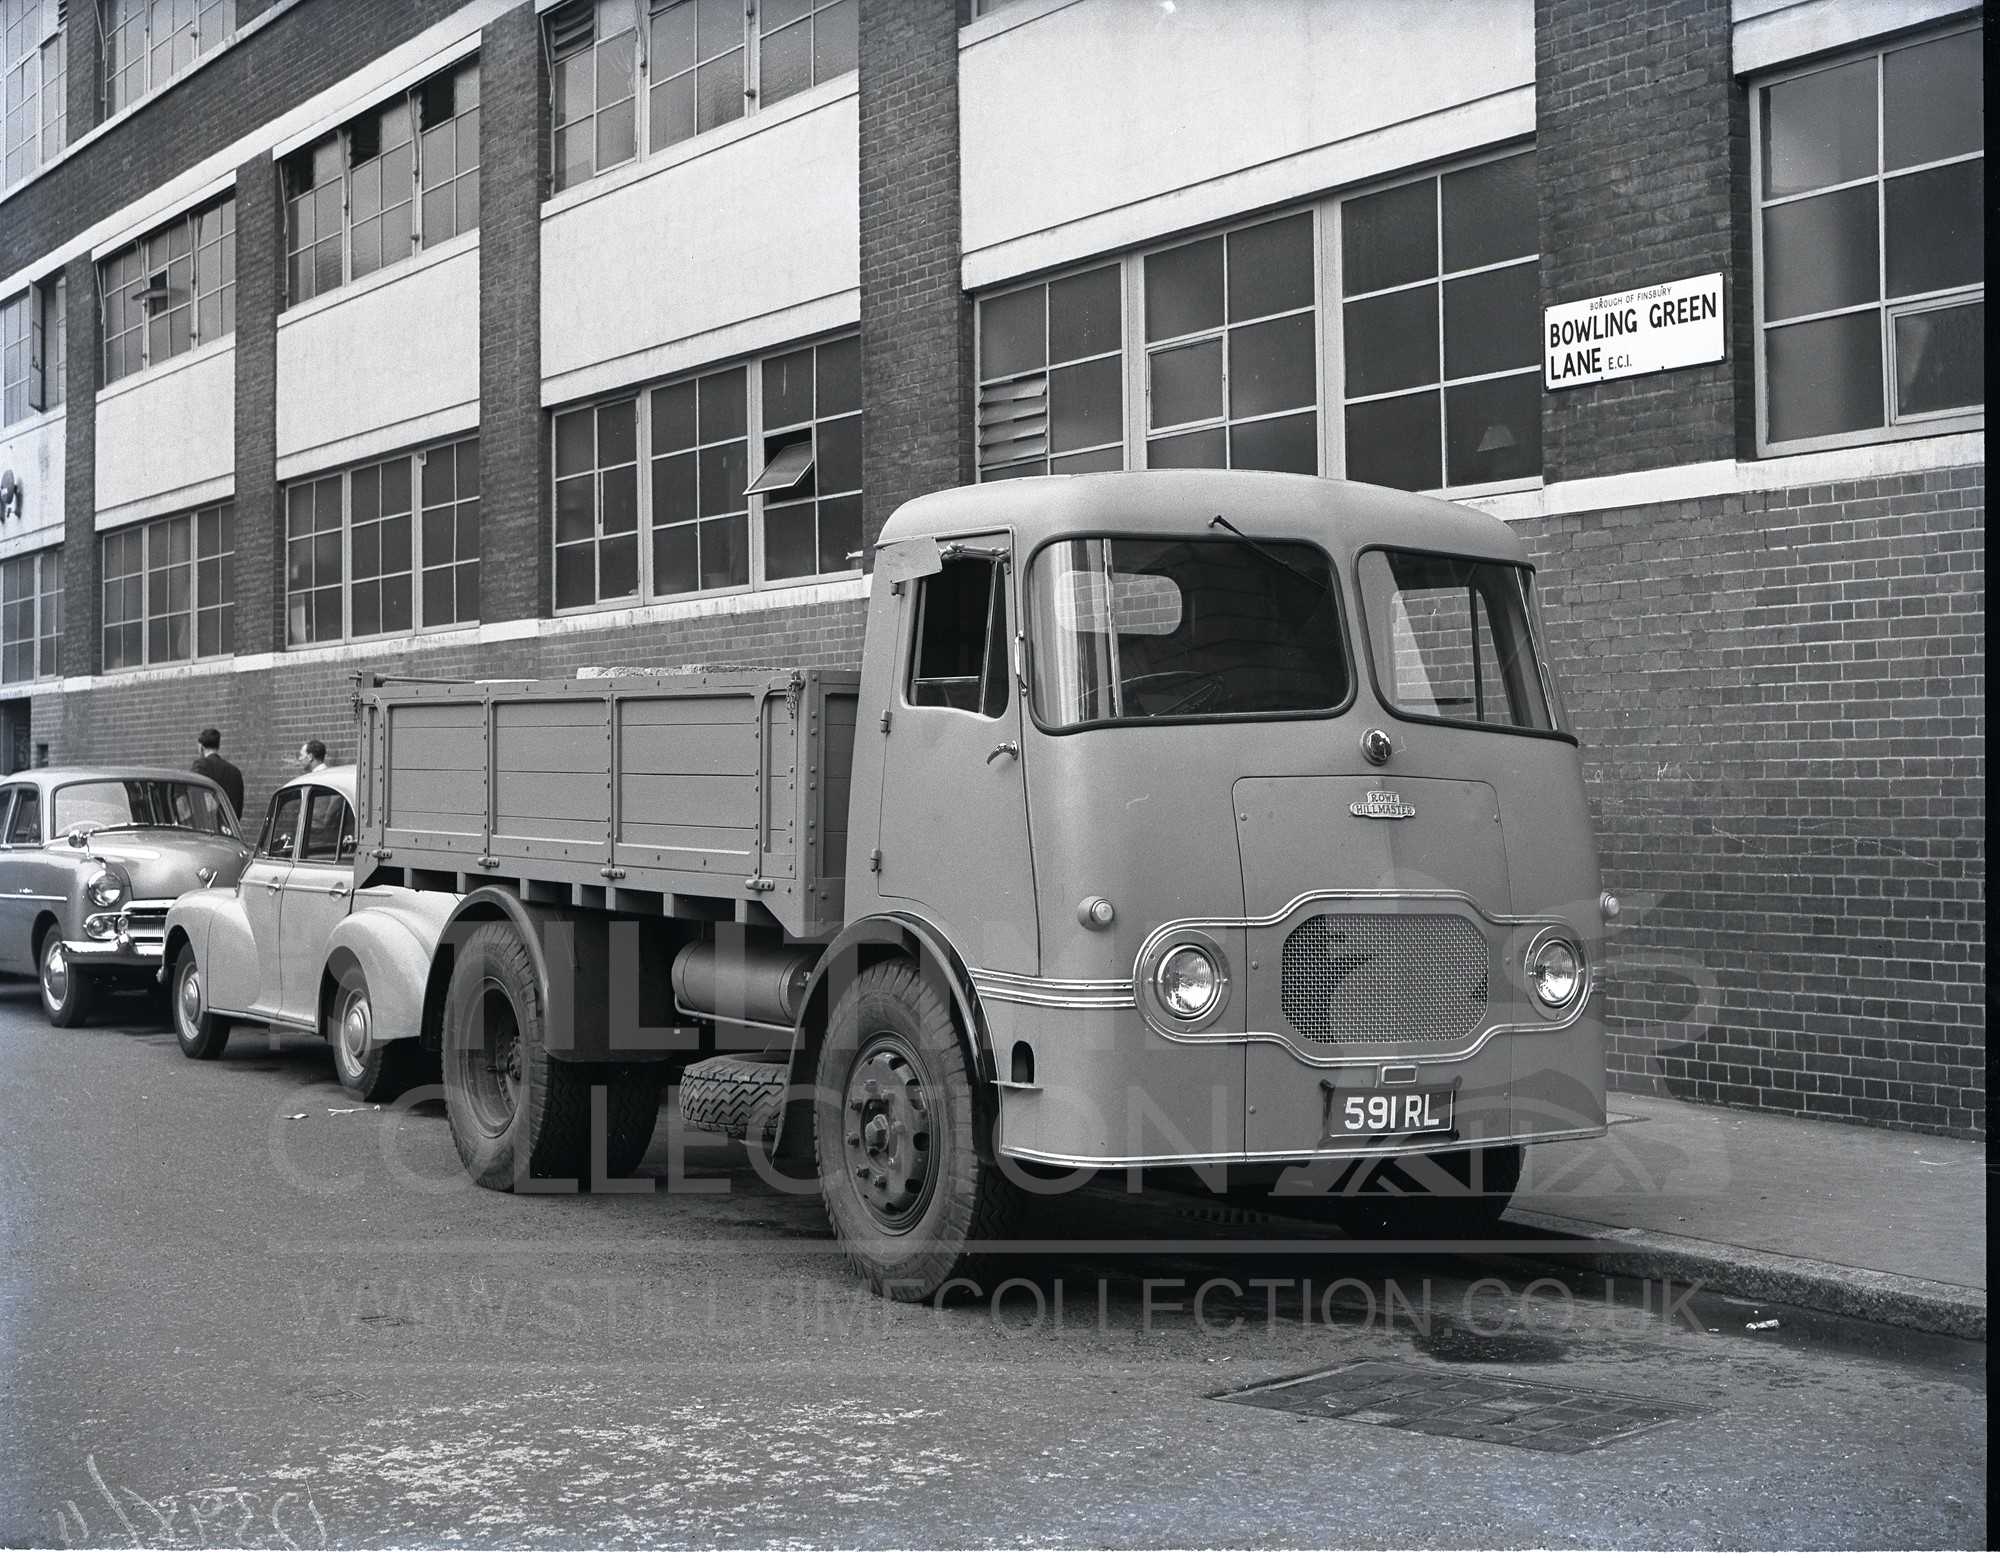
{"x":293,"y":946}
{"x":91,"y":862}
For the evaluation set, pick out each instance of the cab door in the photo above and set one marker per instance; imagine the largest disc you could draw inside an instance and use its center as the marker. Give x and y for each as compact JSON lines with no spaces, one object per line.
{"x":260,"y":989}
{"x":953,"y":833}
{"x":316,"y":899}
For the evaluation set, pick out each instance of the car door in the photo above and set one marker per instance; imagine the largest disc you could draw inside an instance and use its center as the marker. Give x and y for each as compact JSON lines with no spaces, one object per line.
{"x":17,"y":902}
{"x":260,"y":989}
{"x":316,"y":899}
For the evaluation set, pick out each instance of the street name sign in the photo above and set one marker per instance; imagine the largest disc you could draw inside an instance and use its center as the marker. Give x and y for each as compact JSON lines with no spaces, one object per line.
{"x":1673,"y":325}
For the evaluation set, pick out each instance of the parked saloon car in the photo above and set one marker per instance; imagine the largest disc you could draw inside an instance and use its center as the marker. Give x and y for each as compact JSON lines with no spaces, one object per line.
{"x":93,"y":859}
{"x":294,"y":946}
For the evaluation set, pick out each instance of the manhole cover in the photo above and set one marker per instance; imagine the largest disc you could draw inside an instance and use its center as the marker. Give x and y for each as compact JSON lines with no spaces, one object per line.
{"x":1533,"y":1414}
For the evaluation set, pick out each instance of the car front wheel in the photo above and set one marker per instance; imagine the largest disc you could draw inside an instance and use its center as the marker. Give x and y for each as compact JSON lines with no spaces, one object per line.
{"x":201,"y":1032}
{"x":68,"y":992}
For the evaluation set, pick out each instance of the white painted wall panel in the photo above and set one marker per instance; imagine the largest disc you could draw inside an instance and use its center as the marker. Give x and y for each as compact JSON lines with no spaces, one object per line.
{"x":377,"y":366}
{"x":679,"y":263}
{"x":1770,"y":34}
{"x":35,"y":451}
{"x":166,"y":438}
{"x":1129,"y":106}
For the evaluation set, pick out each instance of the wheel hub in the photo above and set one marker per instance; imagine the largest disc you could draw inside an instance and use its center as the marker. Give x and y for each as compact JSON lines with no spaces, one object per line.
{"x":55,"y":972}
{"x":888,"y":1133}
{"x":355,"y":1023}
{"x":190,"y":1002}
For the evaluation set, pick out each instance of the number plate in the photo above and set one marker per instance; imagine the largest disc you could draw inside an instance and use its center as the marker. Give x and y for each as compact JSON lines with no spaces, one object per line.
{"x":1408,"y":1111}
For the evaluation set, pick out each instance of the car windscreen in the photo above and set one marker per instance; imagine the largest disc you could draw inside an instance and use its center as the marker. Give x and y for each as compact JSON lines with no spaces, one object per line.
{"x":1129,"y":630}
{"x":139,"y":803}
{"x":1454,"y":639}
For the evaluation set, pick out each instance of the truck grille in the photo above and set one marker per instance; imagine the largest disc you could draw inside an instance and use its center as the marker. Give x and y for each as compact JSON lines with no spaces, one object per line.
{"x":1384,"y":979}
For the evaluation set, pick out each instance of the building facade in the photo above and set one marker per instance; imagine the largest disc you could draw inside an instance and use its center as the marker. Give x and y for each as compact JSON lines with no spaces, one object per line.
{"x":510,"y":338}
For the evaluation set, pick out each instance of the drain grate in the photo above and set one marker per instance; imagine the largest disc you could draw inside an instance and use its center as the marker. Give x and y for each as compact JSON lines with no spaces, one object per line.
{"x":1532,"y":1414}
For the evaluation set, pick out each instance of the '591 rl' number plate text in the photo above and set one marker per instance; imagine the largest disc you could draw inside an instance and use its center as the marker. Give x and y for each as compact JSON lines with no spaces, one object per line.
{"x":1389,"y":1113}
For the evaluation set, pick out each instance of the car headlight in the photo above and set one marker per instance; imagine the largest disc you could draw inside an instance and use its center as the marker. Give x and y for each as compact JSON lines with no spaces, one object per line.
{"x":108,"y":888}
{"x":1188,"y":982}
{"x":1555,"y":971}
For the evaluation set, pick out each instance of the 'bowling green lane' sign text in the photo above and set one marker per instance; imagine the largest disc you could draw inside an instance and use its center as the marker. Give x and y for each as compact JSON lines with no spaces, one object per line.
{"x":1672,"y":325}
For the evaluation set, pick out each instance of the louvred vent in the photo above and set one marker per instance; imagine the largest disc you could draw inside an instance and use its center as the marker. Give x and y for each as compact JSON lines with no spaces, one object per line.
{"x":571,"y":28}
{"x":1014,"y":421}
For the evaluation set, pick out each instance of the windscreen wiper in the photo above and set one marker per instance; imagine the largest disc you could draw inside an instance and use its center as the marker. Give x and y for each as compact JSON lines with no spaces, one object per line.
{"x":1267,"y":554}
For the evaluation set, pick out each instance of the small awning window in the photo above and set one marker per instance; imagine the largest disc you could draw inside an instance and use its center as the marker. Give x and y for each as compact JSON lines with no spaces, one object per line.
{"x":787,"y":468}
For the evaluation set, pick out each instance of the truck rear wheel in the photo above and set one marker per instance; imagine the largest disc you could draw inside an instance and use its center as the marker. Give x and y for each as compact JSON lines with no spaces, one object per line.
{"x":516,"y":1113}
{"x":894,"y":1127}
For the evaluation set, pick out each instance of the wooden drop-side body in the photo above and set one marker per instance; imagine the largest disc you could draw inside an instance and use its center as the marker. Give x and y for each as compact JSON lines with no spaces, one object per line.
{"x":703,"y":794}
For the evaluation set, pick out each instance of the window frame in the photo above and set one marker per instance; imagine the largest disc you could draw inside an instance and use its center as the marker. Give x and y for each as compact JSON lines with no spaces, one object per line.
{"x":1894,"y":426}
{"x":645,"y":592}
{"x":1330,"y":405}
{"x":644,"y":14}
{"x":197,"y":604}
{"x":44,"y":601}
{"x":417,"y":461}
{"x":341,"y":139}
{"x":223,"y":289}
{"x":122,"y":16}
{"x":43,"y":58}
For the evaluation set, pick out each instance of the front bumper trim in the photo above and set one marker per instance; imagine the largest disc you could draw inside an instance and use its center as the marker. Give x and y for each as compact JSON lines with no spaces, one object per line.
{"x":1420,"y":1147}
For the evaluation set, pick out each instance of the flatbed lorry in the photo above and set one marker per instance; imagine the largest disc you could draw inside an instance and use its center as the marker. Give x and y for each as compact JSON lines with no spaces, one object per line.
{"x":1212,"y":821}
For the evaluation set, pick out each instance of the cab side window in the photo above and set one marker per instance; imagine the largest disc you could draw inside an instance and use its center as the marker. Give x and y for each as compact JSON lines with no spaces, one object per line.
{"x":960,"y":657}
{"x":281,"y":826}
{"x":24,"y":828}
{"x":329,"y":829}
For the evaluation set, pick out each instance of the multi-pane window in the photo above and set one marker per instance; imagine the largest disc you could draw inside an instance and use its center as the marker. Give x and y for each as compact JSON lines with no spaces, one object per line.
{"x":31,"y":593}
{"x":681,"y":453}
{"x":633,"y":74}
{"x":801,"y":43}
{"x":33,"y":79}
{"x":1230,"y":351}
{"x":449,"y":536}
{"x":401,"y":177}
{"x":171,"y":291}
{"x":384,"y":548}
{"x":700,"y":468}
{"x":33,"y":351}
{"x":1050,"y":377}
{"x":1440,"y":345}
{"x":169,"y":589}
{"x":597,"y":504}
{"x":811,"y":479}
{"x":149,"y":42}
{"x":1871,"y":252}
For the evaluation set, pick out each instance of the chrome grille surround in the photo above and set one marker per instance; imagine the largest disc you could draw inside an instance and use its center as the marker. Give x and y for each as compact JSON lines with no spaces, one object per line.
{"x":1385,"y":980}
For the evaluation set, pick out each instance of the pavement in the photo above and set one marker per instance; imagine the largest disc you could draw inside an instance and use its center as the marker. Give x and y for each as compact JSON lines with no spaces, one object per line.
{"x":1872,"y":1224}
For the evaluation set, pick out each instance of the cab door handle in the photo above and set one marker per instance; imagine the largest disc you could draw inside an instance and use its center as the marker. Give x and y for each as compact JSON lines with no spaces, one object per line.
{"x":1005,"y":749}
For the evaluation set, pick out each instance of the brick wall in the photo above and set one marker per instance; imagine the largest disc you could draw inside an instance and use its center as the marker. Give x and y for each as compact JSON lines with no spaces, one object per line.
{"x":1780,"y":697}
{"x":1643,"y":162}
{"x":85,"y":346}
{"x":260,"y":263}
{"x":513,"y":439}
{"x":916,"y":322}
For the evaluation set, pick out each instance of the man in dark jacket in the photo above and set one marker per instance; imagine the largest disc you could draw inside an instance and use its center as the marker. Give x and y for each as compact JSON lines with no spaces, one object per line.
{"x":213,"y":765}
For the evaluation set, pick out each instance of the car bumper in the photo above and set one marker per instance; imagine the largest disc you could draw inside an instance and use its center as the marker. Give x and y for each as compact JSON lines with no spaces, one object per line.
{"x":121,"y":951}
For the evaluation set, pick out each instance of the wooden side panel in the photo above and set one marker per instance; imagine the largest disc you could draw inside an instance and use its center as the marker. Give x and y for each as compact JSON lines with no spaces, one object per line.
{"x":551,"y":772}
{"x":434,"y":790}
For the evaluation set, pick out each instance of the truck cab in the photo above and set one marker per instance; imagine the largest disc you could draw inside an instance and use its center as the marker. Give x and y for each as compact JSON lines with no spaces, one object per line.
{"x":1248,"y":804}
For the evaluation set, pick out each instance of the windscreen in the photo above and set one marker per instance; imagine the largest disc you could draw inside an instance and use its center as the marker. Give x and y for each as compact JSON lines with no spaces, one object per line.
{"x":1129,"y":631}
{"x":1453,"y":639}
{"x":139,"y":803}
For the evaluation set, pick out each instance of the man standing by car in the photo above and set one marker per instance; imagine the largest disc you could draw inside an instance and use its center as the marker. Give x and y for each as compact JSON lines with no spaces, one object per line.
{"x":312,"y":756}
{"x":213,"y":765}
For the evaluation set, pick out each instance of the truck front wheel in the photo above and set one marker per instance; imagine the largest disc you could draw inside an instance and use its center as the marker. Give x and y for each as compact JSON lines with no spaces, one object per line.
{"x":910,"y":1197}
{"x":516,"y":1113}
